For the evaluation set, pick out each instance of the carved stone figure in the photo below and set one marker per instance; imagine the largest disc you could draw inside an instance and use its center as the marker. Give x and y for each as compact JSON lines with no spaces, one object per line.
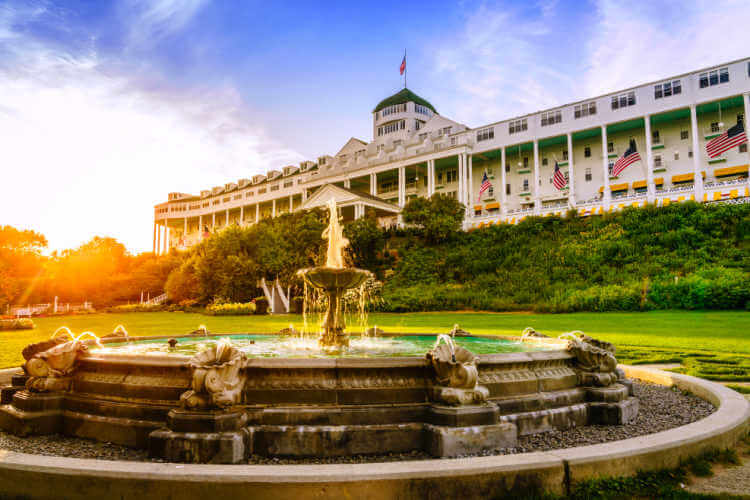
{"x":456,"y":374}
{"x":595,"y":363}
{"x":50,"y":370}
{"x":217,"y":377}
{"x":457,"y":331}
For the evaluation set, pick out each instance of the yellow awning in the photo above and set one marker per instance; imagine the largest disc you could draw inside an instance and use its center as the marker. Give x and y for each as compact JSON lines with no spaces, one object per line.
{"x":492,"y":206}
{"x":619,"y":187}
{"x":659,"y":181}
{"x":739,"y":169}
{"x":639,"y":184}
{"x":683,"y":178}
{"x":477,"y":208}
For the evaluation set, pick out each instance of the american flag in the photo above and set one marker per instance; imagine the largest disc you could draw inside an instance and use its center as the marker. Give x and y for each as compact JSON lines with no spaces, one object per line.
{"x":558,"y":179}
{"x":402,"y":68}
{"x":484,"y":187}
{"x":630,"y":156}
{"x":726,"y":141}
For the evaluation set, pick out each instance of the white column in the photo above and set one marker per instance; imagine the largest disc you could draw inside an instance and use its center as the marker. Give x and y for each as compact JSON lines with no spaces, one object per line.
{"x":651,"y":193}
{"x":304,"y":195}
{"x":461,"y":178}
{"x":747,"y":120}
{"x":158,"y":239}
{"x":430,"y":178}
{"x":166,"y":237}
{"x":273,"y":208}
{"x":537,"y":193}
{"x":697,"y":154}
{"x":504,"y":182}
{"x":607,"y":195}
{"x":257,"y":212}
{"x":184,"y":230}
{"x":154,"y":240}
{"x":200,"y":227}
{"x":242,"y":215}
{"x":401,"y":186}
{"x":347,"y":183}
{"x":291,"y":203}
{"x":571,"y":174}
{"x":470,"y":185}
{"x":374,"y":184}
{"x":226,"y":217}
{"x":213,"y":220}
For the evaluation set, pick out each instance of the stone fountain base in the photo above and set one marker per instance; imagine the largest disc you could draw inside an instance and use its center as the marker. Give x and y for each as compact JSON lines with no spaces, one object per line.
{"x":316,"y":407}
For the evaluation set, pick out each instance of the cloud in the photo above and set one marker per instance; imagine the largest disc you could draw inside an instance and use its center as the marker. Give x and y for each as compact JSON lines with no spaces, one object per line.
{"x":152,"y":20}
{"x":508,"y":61}
{"x":89,"y":152}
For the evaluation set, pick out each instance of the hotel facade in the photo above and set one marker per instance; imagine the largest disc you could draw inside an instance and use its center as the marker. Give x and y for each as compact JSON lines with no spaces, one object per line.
{"x":417,"y":152}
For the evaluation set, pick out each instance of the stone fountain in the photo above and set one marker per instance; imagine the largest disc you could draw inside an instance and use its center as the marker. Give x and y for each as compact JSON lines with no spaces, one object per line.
{"x":334,"y":279}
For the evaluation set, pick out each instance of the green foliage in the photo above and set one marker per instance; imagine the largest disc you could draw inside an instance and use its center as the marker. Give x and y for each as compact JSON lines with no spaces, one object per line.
{"x":137,"y":308}
{"x":230,"y":309}
{"x":366,"y":241}
{"x":16,"y":324}
{"x":438,"y":217}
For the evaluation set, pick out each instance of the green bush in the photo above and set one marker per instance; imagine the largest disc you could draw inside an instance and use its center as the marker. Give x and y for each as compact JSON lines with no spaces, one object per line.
{"x":297,"y":304}
{"x":133,"y":308}
{"x":261,"y":305}
{"x":16,"y":324}
{"x":230,"y":309}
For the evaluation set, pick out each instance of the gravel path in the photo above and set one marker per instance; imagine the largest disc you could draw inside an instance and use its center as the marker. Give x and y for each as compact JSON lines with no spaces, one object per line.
{"x":661,"y":408}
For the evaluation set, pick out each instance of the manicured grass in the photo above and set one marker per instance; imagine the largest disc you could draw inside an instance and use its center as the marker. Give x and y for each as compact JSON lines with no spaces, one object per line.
{"x":713,"y":344}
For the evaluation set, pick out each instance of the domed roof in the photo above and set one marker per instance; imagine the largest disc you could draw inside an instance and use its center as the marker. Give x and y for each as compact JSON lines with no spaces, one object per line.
{"x":400,"y":97}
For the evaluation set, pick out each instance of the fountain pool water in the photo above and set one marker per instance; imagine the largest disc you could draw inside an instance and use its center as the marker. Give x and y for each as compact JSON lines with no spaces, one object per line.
{"x":272,"y":346}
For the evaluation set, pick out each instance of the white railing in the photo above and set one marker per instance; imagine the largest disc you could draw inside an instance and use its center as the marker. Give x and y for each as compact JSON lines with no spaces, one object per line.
{"x":37,"y":309}
{"x":159,"y":299}
{"x":733,"y":182}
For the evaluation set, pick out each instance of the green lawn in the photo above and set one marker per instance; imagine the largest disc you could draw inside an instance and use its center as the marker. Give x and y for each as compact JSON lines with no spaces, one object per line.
{"x":712,"y":344}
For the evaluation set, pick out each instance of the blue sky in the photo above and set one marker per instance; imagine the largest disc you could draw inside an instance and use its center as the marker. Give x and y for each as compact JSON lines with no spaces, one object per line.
{"x":105,"y":107}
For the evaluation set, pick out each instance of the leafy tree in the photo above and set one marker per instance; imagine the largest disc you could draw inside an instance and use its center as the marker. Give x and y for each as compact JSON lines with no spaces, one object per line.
{"x":439,"y":216}
{"x":366,"y":242}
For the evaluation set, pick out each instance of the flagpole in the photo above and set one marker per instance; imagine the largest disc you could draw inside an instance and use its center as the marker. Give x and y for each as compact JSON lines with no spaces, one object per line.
{"x":405,"y":68}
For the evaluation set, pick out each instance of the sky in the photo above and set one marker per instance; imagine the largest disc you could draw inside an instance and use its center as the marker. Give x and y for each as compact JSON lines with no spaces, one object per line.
{"x":107,"y":106}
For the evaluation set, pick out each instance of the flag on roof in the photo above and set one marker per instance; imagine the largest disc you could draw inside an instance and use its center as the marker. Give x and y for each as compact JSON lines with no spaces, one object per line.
{"x":726,"y":141}
{"x":402,"y":68}
{"x":631,"y":156}
{"x":485,"y":186}
{"x":558,"y":179}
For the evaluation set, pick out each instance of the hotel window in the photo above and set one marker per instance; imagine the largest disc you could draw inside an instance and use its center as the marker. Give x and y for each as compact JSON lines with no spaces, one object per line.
{"x":454,"y":141}
{"x":544,"y":162}
{"x":396,"y":108}
{"x":275,"y":188}
{"x":690,"y":154}
{"x":715,"y":77}
{"x":485,"y":134}
{"x":215,"y":202}
{"x":238,"y":197}
{"x":657,"y":161}
{"x":446,"y":130}
{"x":525,"y":162}
{"x":683,"y":135}
{"x":397,"y":143}
{"x":667,"y":89}
{"x":525,"y":185}
{"x":587,"y":152}
{"x":423,"y":136}
{"x":262,"y":191}
{"x":588,"y":175}
{"x":623,"y":100}
{"x":517,"y":126}
{"x":288,"y":184}
{"x":610,"y":147}
{"x":423,"y":110}
{"x":507,"y":189}
{"x":551,"y":117}
{"x":226,"y":200}
{"x":249,"y":194}
{"x":507,"y":167}
{"x":655,"y":137}
{"x":392,"y":127}
{"x":676,"y":155}
{"x":491,"y":191}
{"x":565,"y":155}
{"x":451,"y":176}
{"x":610,"y":167}
{"x":743,"y":148}
{"x":715,"y":127}
{"x":581,"y":110}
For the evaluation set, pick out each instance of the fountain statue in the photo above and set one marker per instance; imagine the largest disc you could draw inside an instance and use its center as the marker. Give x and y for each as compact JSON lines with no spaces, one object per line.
{"x":334,"y":279}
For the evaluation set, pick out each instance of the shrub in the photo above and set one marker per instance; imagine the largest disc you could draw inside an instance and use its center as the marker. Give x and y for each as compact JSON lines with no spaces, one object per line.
{"x":261,"y":305}
{"x":16,"y":324}
{"x":136,"y":308}
{"x":297,"y":304}
{"x":230,"y":309}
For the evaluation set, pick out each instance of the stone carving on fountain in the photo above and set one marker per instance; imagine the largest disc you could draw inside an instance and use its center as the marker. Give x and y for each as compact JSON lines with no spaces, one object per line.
{"x":218,"y":378}
{"x":456,"y":374}
{"x":595,"y":361}
{"x":51,"y":363}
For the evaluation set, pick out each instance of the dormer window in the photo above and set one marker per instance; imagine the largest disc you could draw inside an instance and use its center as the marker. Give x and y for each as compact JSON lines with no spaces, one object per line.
{"x":396,"y":108}
{"x":423,"y":110}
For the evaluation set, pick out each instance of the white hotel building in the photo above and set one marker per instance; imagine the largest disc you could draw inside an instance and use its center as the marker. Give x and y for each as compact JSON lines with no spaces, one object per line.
{"x":417,"y":152}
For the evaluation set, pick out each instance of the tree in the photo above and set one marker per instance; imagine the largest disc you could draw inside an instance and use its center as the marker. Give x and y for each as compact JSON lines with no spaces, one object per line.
{"x":182,"y":283}
{"x":21,"y":263}
{"x":439,"y":216}
{"x":366,"y":241}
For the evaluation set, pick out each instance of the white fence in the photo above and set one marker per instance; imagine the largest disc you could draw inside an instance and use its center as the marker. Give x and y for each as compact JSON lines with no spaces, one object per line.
{"x":30,"y":310}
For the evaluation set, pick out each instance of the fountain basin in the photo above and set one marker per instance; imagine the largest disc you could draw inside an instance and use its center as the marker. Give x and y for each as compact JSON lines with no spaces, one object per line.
{"x":331,"y":278}
{"x":309,"y":406}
